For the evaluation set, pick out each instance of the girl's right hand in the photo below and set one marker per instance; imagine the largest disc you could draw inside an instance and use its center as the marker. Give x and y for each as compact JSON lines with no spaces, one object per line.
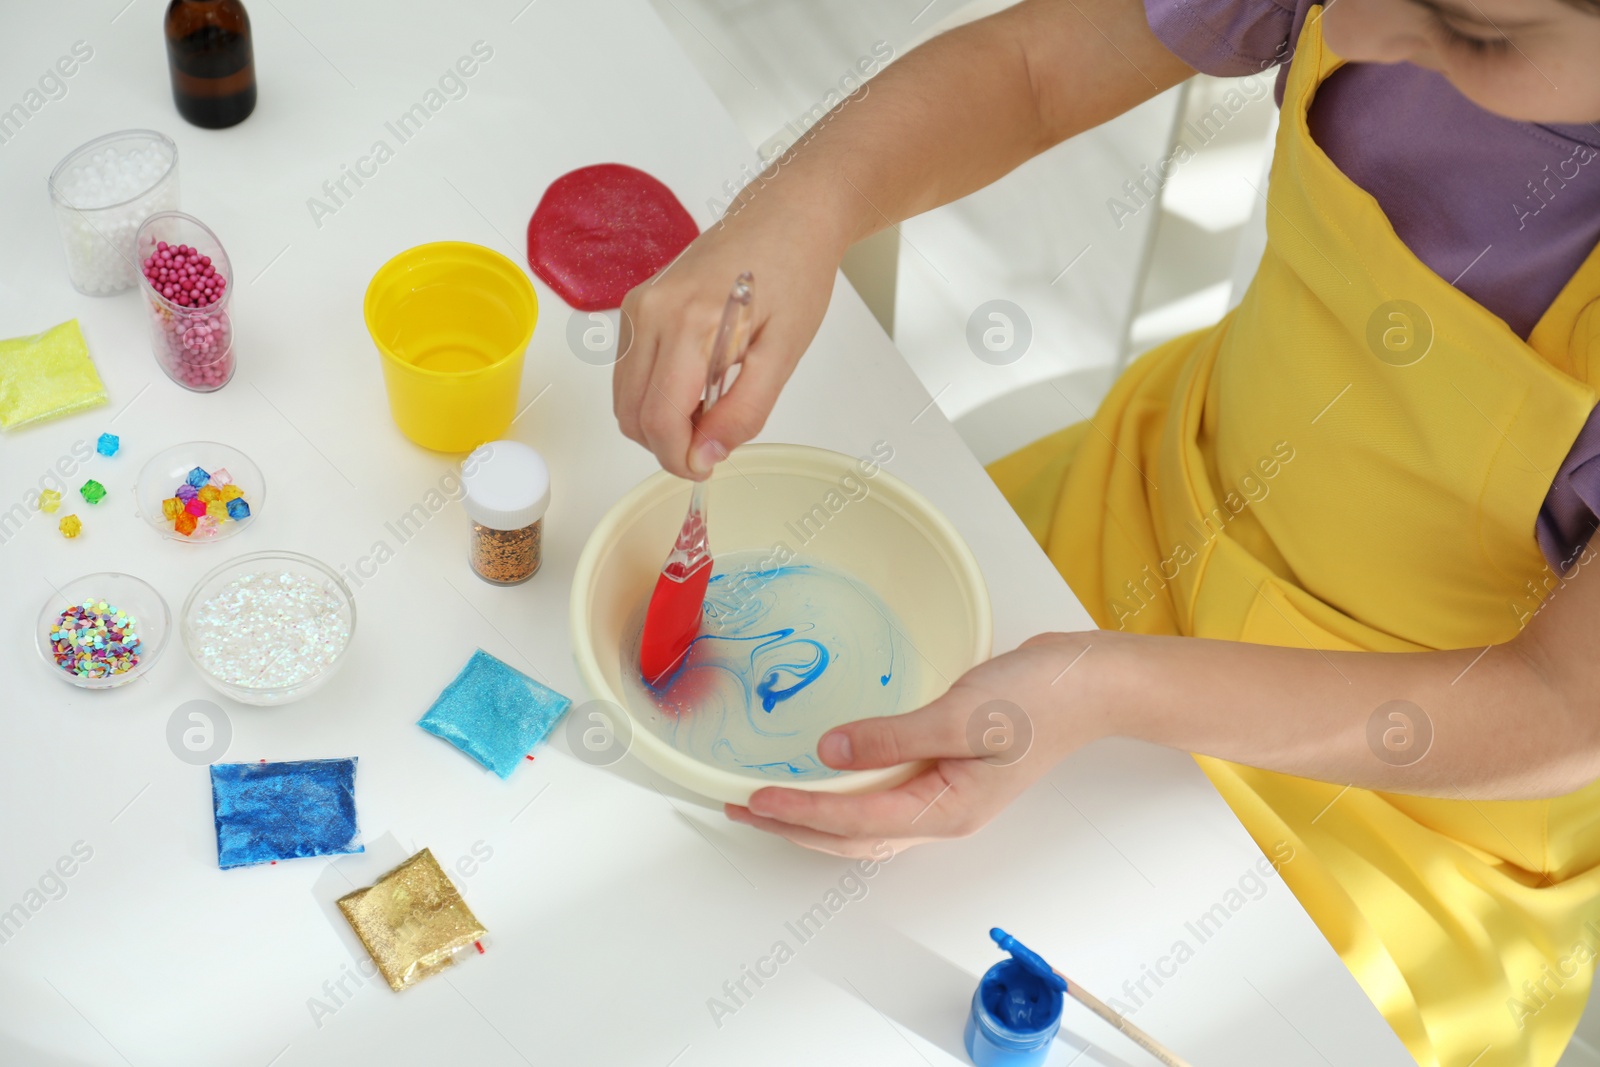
{"x":669,"y":322}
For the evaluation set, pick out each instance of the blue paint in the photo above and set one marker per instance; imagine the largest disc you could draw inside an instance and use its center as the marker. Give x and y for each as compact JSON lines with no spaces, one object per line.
{"x":785,"y":653}
{"x":1016,"y":1009}
{"x":494,"y":713}
{"x":279,"y":811}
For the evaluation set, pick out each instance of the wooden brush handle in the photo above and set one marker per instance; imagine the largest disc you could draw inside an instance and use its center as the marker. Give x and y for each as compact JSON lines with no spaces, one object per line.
{"x":1133,"y":1033}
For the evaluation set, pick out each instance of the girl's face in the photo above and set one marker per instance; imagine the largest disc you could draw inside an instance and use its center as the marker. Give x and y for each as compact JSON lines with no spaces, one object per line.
{"x":1532,"y":60}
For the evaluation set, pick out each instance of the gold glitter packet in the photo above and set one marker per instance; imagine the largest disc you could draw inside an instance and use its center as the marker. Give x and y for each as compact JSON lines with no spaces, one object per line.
{"x":412,"y":921}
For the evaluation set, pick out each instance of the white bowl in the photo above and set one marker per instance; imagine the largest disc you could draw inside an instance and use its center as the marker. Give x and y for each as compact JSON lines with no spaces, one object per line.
{"x":888,"y":535}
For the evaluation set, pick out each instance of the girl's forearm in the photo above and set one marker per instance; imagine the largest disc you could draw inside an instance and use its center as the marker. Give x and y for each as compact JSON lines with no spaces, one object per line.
{"x":1499,"y":728}
{"x":962,"y":110}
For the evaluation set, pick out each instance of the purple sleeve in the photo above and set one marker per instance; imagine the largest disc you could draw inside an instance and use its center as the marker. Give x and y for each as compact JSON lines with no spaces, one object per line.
{"x":1571,"y":510}
{"x":1225,"y":38}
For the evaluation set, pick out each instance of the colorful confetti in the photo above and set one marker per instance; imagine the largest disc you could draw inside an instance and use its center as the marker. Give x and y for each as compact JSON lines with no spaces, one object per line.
{"x":94,"y":639}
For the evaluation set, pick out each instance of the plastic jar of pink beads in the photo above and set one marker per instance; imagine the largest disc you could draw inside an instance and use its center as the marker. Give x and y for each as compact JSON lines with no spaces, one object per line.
{"x":187,"y":282}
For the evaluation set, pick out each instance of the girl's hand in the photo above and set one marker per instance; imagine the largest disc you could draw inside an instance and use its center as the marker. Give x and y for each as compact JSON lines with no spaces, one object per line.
{"x":999,"y":729}
{"x":668,"y":324}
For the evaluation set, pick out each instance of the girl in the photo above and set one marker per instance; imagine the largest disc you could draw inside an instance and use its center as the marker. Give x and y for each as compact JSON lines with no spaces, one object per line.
{"x":1335,"y":543}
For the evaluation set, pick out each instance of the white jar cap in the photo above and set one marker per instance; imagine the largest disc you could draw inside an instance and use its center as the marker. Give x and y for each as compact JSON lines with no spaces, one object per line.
{"x":507,"y":485}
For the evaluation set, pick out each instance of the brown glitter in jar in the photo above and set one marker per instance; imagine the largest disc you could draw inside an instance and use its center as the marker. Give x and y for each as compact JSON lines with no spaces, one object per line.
{"x":507,"y":557}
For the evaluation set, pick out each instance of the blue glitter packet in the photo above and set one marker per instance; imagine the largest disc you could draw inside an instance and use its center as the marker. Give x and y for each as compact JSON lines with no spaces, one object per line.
{"x":494,"y":713}
{"x":284,"y":811}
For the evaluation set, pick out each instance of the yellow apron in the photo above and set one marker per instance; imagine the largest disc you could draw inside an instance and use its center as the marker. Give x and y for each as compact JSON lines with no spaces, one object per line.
{"x":1354,"y":459}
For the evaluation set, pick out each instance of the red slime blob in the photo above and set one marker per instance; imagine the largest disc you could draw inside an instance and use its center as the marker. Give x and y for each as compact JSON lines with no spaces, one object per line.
{"x":601,"y":230}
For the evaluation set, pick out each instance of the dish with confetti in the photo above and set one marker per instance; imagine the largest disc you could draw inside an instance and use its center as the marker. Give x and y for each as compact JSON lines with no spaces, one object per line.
{"x":200,"y":491}
{"x":102,"y":630}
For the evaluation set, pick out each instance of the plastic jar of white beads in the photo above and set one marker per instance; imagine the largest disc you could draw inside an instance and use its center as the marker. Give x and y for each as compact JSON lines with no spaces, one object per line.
{"x":102,"y":192}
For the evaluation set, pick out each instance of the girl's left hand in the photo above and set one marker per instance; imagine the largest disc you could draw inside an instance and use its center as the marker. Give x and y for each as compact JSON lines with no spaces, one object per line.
{"x":998,"y":729}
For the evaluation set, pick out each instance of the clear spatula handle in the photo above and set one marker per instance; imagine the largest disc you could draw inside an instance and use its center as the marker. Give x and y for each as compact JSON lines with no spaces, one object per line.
{"x":733,"y":337}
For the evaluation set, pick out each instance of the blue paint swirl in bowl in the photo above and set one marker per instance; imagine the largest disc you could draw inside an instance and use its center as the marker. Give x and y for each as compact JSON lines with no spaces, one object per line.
{"x":785,"y":653}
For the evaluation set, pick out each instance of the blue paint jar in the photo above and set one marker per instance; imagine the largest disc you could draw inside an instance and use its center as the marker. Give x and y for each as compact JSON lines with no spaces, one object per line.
{"x":1015,"y":1015}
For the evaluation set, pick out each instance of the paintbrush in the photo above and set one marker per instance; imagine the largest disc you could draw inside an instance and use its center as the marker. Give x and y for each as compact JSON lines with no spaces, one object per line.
{"x":1036,"y":963}
{"x":672,"y":620}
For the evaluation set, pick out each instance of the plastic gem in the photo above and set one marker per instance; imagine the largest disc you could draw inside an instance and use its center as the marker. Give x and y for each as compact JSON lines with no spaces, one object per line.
{"x":93,"y":492}
{"x":108,"y":444}
{"x":49,"y":500}
{"x":70,"y":526}
{"x":238,"y":509}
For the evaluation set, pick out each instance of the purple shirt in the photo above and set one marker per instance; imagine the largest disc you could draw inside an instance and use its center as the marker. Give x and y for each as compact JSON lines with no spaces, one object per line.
{"x":1505,"y":211}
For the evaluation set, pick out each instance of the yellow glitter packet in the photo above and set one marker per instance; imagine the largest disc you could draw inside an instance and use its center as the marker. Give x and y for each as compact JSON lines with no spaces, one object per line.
{"x":47,"y":375}
{"x":412,"y":921}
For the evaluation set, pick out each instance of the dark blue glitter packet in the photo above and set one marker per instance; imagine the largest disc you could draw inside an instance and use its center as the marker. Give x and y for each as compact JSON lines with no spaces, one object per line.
{"x":284,"y":811}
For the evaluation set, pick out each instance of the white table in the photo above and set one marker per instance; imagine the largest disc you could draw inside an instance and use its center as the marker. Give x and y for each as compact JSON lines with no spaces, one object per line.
{"x":616,"y":905}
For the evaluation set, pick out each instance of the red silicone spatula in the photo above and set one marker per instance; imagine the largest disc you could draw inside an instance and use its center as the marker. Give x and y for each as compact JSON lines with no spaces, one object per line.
{"x":673,"y":619}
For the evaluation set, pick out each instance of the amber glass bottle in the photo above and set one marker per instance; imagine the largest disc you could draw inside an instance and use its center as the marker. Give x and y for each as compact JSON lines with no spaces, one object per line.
{"x":213,"y":69}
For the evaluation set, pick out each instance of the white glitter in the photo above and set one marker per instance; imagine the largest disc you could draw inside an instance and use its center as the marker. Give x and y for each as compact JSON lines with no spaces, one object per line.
{"x":269,"y":630}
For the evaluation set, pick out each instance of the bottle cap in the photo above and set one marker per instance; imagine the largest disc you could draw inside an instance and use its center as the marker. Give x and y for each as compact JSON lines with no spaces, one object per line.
{"x":507,"y":485}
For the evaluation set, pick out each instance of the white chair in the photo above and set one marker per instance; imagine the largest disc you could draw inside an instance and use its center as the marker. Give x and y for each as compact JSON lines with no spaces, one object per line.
{"x":1189,"y":261}
{"x":1042,"y":238}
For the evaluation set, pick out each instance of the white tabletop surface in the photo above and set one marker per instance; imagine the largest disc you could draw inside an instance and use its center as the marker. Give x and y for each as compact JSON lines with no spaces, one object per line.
{"x":616,"y":905}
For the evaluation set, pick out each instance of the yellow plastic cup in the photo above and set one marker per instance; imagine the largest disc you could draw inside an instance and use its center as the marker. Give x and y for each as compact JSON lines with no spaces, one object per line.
{"x":452,"y":321}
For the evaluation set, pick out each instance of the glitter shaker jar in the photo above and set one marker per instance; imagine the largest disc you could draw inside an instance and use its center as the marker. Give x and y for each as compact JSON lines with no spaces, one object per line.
{"x":507,"y":489}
